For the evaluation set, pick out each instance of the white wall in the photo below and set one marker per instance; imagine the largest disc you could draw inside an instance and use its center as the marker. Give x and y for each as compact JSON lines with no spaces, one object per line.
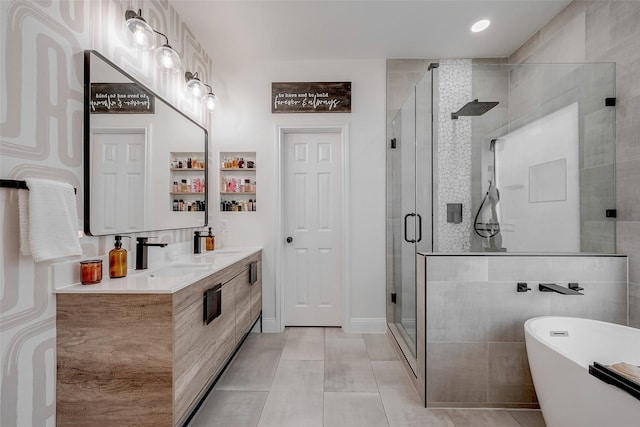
{"x":243,"y":121}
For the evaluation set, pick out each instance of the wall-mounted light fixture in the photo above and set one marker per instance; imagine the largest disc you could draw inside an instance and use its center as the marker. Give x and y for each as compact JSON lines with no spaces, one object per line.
{"x":142,"y":36}
{"x":197,"y":88}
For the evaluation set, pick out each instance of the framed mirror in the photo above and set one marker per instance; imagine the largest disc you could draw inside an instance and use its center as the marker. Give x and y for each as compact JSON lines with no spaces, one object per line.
{"x":145,"y":162}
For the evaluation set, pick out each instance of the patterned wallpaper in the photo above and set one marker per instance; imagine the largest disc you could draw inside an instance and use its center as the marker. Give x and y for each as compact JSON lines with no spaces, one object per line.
{"x":453,"y":155}
{"x":42,"y":44}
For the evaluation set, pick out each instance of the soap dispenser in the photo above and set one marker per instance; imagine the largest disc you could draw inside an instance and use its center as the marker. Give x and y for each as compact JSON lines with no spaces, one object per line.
{"x":210,"y":241}
{"x":117,"y":260}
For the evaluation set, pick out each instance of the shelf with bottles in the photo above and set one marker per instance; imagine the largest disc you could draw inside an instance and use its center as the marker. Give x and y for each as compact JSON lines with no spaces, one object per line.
{"x":187,"y":184}
{"x":241,"y":205}
{"x":237,"y":181}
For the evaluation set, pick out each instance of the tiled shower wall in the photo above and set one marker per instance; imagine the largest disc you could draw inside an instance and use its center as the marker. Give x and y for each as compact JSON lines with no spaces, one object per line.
{"x":42,"y":45}
{"x":475,"y":350}
{"x":606,"y":31}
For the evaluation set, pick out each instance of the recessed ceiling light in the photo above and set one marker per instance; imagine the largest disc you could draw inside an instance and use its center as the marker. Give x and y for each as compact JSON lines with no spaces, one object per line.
{"x":481,"y":25}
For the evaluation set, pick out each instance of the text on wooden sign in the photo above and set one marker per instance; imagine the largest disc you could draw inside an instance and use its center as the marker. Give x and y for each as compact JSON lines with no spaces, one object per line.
{"x":311,"y":97}
{"x":121,"y":98}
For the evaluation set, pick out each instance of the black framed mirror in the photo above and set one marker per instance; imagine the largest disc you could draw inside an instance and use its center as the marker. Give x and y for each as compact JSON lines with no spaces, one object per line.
{"x":145,"y":162}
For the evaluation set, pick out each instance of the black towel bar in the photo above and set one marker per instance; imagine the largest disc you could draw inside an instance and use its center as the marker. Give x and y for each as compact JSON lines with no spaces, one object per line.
{"x":19,"y":185}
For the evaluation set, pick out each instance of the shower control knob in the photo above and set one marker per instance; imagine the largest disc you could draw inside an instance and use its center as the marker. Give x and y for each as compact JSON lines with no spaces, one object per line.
{"x":523,"y":287}
{"x":289,"y":239}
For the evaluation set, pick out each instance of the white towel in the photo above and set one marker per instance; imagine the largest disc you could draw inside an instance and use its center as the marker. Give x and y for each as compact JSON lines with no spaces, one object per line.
{"x":48,"y":220}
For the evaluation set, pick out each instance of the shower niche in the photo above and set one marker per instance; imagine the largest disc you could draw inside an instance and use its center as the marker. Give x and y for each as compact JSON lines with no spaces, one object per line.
{"x":491,"y":158}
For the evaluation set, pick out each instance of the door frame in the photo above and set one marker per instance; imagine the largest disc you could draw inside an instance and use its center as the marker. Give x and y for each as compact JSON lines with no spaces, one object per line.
{"x":281,"y":132}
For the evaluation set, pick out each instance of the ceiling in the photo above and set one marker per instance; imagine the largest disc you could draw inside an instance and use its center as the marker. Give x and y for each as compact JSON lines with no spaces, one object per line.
{"x":234,"y":30}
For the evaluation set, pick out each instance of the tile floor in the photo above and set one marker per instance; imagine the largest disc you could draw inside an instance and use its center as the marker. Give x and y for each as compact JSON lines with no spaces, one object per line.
{"x":306,"y":377}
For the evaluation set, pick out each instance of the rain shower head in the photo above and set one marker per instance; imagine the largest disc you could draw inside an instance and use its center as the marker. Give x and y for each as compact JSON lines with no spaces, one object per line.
{"x":473,"y":108}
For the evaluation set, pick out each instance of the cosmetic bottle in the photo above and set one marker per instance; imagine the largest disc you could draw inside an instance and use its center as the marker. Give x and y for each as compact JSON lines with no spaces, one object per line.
{"x":117,"y":260}
{"x":210,"y":241}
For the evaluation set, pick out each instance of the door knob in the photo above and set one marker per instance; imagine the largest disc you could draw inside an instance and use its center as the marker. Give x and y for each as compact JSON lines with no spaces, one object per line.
{"x":289,"y":239}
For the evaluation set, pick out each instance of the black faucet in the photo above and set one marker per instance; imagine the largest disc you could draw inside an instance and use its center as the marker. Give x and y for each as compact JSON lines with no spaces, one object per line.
{"x":141,"y":251}
{"x":552,"y":287}
{"x":197,"y":242}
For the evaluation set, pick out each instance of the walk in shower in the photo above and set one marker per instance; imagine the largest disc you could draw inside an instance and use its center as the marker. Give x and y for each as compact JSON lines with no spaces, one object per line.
{"x":487,"y":157}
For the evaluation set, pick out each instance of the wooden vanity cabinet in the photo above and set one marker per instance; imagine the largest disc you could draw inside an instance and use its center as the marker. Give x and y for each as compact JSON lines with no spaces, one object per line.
{"x":147,"y":359}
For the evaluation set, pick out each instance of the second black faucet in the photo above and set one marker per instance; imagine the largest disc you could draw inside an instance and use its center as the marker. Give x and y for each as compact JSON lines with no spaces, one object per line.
{"x":142,"y":252}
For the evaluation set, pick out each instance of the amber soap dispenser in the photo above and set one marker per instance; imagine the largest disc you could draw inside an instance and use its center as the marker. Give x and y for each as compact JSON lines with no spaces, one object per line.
{"x":117,"y":260}
{"x":210,"y":242}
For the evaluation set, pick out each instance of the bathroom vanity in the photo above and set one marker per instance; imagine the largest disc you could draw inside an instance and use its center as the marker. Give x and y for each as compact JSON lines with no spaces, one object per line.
{"x":145,"y":349}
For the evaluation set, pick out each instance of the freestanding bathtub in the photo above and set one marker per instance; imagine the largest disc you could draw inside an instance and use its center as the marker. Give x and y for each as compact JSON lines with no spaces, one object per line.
{"x":560,"y":350}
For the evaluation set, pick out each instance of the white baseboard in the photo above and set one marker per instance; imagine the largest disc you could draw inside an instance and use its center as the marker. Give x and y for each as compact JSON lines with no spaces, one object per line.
{"x":270,"y":325}
{"x":377,"y":325}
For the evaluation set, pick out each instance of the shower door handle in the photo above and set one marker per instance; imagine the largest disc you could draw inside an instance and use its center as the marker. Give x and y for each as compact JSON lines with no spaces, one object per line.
{"x":419,"y":228}
{"x":406,"y":238}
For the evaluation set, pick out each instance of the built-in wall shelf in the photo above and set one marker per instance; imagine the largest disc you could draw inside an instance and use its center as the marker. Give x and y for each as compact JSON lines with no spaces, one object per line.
{"x":187,"y":184}
{"x":238,"y":181}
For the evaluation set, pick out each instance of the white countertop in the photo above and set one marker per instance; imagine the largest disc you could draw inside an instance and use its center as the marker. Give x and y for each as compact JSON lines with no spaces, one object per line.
{"x":187,"y":269}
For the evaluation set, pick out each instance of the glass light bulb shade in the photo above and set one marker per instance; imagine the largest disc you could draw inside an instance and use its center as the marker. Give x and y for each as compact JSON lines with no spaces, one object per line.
{"x":196,"y":88}
{"x":209,"y":101}
{"x":167,"y":58}
{"x":481,"y":25}
{"x":139,"y":34}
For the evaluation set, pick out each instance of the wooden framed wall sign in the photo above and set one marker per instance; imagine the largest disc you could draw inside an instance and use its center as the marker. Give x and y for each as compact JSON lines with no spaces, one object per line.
{"x":310,"y":97}
{"x":121,"y":98}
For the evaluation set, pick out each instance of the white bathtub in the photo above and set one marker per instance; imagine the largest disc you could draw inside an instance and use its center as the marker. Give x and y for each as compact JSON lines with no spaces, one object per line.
{"x":569,"y":396}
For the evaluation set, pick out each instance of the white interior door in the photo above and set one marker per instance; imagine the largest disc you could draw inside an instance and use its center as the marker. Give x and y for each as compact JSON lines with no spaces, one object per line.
{"x":119,"y":174}
{"x":313,"y":229}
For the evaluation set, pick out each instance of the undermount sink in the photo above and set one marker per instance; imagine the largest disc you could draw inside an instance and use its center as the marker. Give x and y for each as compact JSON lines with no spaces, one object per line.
{"x":218,"y":256}
{"x":176,"y":270}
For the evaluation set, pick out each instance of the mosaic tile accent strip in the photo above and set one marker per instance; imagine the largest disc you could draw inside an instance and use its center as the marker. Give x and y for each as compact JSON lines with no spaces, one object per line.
{"x":453,"y":155}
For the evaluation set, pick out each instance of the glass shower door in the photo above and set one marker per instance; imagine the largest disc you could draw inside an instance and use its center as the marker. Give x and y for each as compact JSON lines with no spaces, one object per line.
{"x":409,"y":204}
{"x":405,"y":226}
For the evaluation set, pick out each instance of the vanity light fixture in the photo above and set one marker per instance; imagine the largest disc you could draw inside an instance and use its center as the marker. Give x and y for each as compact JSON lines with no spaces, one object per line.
{"x":481,"y":25}
{"x":209,"y":99}
{"x":167,"y":58}
{"x":142,"y":36}
{"x":195,"y":86}
{"x":198,"y":89}
{"x":139,"y":33}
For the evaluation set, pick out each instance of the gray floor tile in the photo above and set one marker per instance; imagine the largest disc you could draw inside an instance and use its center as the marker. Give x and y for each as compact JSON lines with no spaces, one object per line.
{"x":528,"y":418}
{"x":306,"y":334}
{"x":224,"y":408}
{"x":282,"y":380}
{"x":354,"y":410}
{"x":299,"y":375}
{"x":379,"y":348}
{"x":391,"y":375}
{"x":300,"y":349}
{"x":292,"y":409}
{"x":481,"y":418}
{"x":331,"y":333}
{"x":342,"y":349}
{"x":304,"y":344}
{"x":405,"y":409}
{"x":345,"y":376}
{"x":253,"y":369}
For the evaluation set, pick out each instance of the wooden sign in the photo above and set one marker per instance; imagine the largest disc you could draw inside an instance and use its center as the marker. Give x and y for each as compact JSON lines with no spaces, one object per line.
{"x":121,"y":98}
{"x":311,"y":97}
